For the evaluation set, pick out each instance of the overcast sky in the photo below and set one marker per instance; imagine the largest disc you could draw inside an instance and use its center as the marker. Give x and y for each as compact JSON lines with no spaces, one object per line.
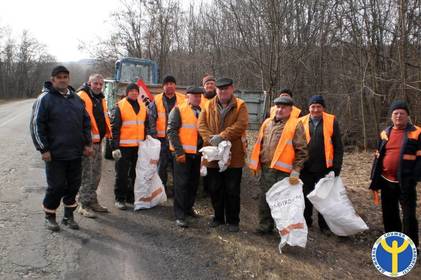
{"x":60,"y":25}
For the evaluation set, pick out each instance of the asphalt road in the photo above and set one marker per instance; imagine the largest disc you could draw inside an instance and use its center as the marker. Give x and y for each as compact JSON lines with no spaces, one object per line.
{"x":117,"y":245}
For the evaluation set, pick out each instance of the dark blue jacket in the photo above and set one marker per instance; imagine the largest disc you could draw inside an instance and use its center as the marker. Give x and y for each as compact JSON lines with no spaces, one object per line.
{"x":409,"y":171}
{"x":60,"y":124}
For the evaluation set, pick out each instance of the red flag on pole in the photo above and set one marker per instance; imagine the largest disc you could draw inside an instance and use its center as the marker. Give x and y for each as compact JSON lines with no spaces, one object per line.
{"x":144,"y":93}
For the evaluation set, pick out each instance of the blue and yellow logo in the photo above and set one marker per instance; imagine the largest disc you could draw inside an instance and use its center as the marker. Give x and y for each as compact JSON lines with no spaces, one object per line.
{"x":394,"y":254}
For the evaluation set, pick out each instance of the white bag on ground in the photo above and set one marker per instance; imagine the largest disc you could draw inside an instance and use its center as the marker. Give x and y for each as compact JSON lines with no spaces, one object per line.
{"x":148,"y":188}
{"x":330,"y":199}
{"x":286,"y":204}
{"x":222,"y":154}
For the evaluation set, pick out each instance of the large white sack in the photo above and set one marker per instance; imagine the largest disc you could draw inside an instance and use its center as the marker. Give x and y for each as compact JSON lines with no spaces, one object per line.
{"x":222,"y":154}
{"x":330,"y":199}
{"x":286,"y":204}
{"x":148,"y":188}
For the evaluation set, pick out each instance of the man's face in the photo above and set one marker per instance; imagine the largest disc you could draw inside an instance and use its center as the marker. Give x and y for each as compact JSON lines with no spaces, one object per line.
{"x":209,"y":86}
{"x":400,"y":118}
{"x":225,"y":93}
{"x":283,"y":111}
{"x":194,"y":98}
{"x":96,"y":85}
{"x":316,"y":110}
{"x":61,"y":81}
{"x":169,"y":88}
{"x":133,"y":94}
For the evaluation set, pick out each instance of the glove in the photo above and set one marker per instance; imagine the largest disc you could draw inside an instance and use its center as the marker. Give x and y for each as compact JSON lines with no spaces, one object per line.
{"x":215,"y":140}
{"x":294,"y":177}
{"x":46,"y":156}
{"x":88,"y":151}
{"x":181,"y":158}
{"x":376,"y":199}
{"x":116,"y":154}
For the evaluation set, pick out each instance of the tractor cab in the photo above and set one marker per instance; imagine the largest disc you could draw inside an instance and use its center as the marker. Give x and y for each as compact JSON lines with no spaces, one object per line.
{"x":129,"y":70}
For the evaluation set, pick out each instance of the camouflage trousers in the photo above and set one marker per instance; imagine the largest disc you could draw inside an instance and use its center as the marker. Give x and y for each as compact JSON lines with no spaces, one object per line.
{"x":268,"y":177}
{"x":91,"y":175}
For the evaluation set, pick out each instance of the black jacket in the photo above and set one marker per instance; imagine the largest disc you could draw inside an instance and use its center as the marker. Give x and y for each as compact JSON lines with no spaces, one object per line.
{"x":409,"y":170}
{"x":316,"y":162}
{"x":60,"y":124}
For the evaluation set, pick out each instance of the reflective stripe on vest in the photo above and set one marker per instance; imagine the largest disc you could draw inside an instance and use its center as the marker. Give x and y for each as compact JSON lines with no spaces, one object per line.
{"x":188,"y":131}
{"x":132,"y":130}
{"x":295,"y":113}
{"x":328,"y":121}
{"x":89,"y":108}
{"x":284,"y":155}
{"x":161,"y":121}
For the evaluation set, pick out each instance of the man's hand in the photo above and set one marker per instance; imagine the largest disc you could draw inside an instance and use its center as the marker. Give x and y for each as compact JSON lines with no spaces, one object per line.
{"x":215,"y":140}
{"x":46,"y":156}
{"x":181,"y":158}
{"x":294,"y":177}
{"x":88,"y":151}
{"x":116,"y":154}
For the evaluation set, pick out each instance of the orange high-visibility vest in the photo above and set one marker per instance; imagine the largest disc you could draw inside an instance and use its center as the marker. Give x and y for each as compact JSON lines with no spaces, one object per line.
{"x":328,"y":120}
{"x":295,"y":113}
{"x":284,"y":155}
{"x":188,"y":131}
{"x":204,"y":102}
{"x":132,"y":130}
{"x":161,"y":121}
{"x":94,"y":127}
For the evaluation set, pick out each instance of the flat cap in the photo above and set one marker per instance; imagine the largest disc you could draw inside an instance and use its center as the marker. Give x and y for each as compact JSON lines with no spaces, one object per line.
{"x":284,"y":100}
{"x":194,"y":90}
{"x":224,"y":82}
{"x":59,"y":69}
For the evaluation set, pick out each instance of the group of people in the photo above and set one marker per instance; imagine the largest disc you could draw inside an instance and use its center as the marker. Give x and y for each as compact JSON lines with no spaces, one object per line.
{"x":68,"y":126}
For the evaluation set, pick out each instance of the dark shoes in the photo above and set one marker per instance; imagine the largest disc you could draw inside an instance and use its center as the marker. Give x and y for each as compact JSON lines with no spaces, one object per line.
{"x":70,"y":223}
{"x":51,"y":224}
{"x":181,"y":223}
{"x":214,"y":223}
{"x":233,"y":228}
{"x":264,"y":230}
{"x":120,"y":205}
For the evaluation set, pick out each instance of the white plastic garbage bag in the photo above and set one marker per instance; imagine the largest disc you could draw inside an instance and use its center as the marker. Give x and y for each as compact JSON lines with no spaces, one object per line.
{"x":286,"y":204}
{"x":330,"y":199}
{"x":148,"y":188}
{"x":222,"y":154}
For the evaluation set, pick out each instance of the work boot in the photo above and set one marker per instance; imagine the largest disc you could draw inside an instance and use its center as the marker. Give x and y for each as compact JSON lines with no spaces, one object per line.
{"x":262,"y":230}
{"x":85,"y":211}
{"x":120,"y":205}
{"x":98,"y":207}
{"x":50,"y":223}
{"x":181,"y":223}
{"x":68,"y":219}
{"x":233,"y":228}
{"x":214,"y":223}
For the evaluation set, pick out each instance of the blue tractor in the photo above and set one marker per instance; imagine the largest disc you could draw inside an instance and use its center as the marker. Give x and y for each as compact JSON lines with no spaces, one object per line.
{"x":128,"y":70}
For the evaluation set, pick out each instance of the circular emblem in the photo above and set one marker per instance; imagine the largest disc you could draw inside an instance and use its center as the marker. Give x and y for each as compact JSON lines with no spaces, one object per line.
{"x":394,"y":254}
